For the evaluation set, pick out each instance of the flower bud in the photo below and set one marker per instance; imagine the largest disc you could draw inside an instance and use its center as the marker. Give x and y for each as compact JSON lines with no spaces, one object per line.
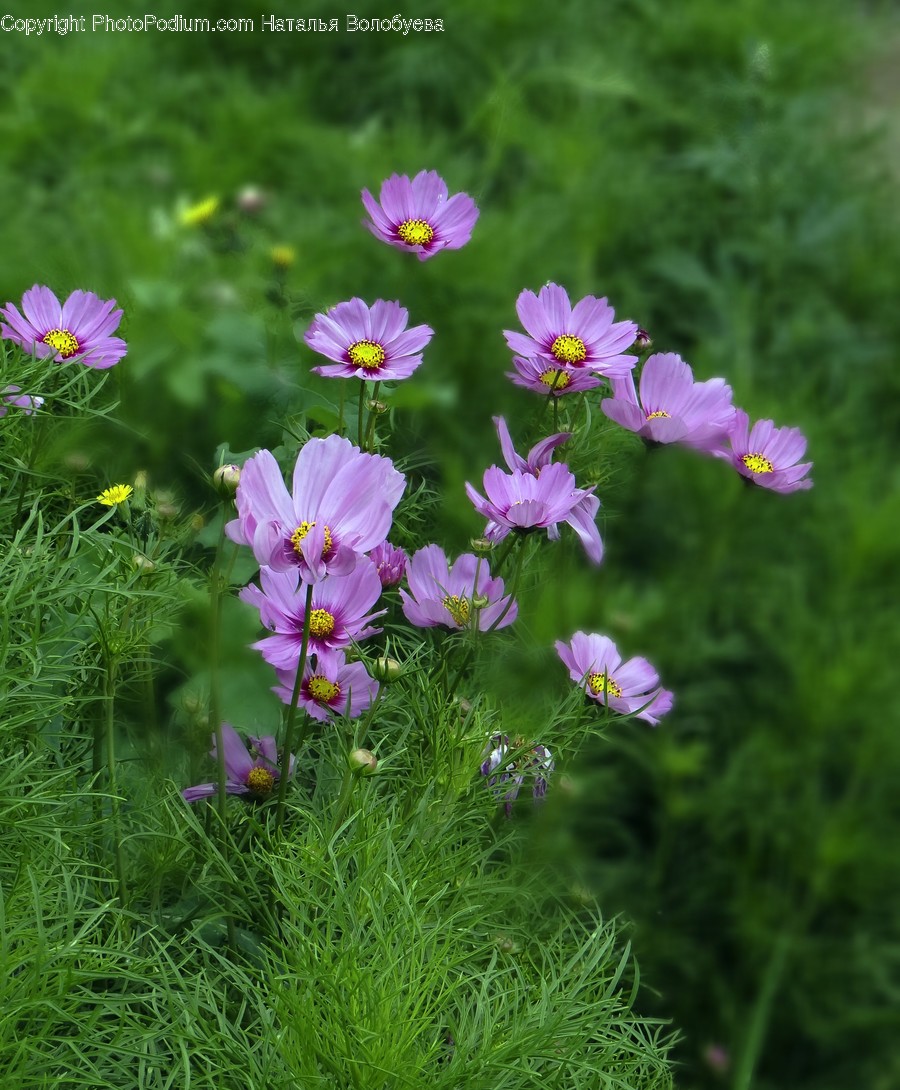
{"x":481,"y":546}
{"x":363,"y":761}
{"x":251,"y":200}
{"x":386,"y":670}
{"x":283,"y":256}
{"x":479,"y":601}
{"x":377,"y":407}
{"x":642,"y":340}
{"x":226,"y":479}
{"x":143,"y":564}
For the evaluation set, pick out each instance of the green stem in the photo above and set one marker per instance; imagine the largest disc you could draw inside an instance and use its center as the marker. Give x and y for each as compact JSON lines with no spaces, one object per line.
{"x":359,"y":423}
{"x":215,"y":706}
{"x":514,"y":586}
{"x":341,"y":408}
{"x":292,"y":714}
{"x":111,"y":774}
{"x":370,"y":429}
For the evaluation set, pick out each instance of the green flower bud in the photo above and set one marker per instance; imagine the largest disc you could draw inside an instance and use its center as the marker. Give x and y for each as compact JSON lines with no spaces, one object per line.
{"x":386,"y":670}
{"x":226,"y":479}
{"x":363,"y":761}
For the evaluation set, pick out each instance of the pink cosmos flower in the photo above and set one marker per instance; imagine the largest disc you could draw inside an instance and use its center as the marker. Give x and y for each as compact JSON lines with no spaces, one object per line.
{"x":341,"y":507}
{"x":768,"y":456}
{"x":594,"y":662}
{"x":417,"y":215}
{"x":331,"y":686}
{"x":11,"y":395}
{"x":390,"y":562}
{"x":537,"y":763}
{"x":367,"y":342}
{"x":551,"y":380}
{"x":253,"y":773}
{"x":672,"y":407}
{"x":78,"y":331}
{"x":444,"y":595}
{"x":339,"y":612}
{"x":583,"y":336}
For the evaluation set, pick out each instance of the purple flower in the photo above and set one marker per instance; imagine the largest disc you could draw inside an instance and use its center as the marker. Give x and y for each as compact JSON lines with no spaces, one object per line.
{"x":594,"y":662}
{"x":583,"y":336}
{"x":342,"y":504}
{"x":367,"y":342}
{"x":338,"y":615}
{"x":78,"y":331}
{"x":10,"y":395}
{"x":767,"y":455}
{"x":539,"y":455}
{"x":551,"y":380}
{"x":331,"y":686}
{"x":390,"y":563}
{"x":253,"y":773}
{"x":535,"y":762}
{"x":418,"y":217}
{"x":672,"y":407}
{"x":446,"y":595}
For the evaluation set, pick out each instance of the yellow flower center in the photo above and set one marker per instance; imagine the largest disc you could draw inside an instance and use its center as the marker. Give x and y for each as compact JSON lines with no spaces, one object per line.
{"x":458,"y":608}
{"x":415,"y":232}
{"x":600,"y":684}
{"x":302,"y":530}
{"x":260,"y":781}
{"x":199,"y":213}
{"x":65,"y":343}
{"x":366,"y":354}
{"x":658,"y":415}
{"x":556,"y":380}
{"x":118,"y":493}
{"x":321,"y":623}
{"x":756,"y":463}
{"x":322,"y":690}
{"x":569,"y":349}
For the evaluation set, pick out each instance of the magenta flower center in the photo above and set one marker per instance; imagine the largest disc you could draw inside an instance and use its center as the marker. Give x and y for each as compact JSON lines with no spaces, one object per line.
{"x":415,"y":232}
{"x":260,"y":781}
{"x":554,"y":379}
{"x":322,"y":690}
{"x":600,"y":684}
{"x":658,"y":415}
{"x":458,"y":608}
{"x":568,"y":349}
{"x":366,"y":354}
{"x":65,"y":343}
{"x":756,"y":463}
{"x":300,"y":533}
{"x":321,"y":623}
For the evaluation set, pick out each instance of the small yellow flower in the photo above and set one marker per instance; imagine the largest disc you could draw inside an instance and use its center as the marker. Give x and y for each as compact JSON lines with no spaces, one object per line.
{"x":197,"y":214}
{"x":115,"y":495}
{"x":283,"y":256}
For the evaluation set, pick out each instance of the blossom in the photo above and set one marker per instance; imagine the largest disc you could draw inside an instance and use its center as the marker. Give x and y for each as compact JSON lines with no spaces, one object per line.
{"x":331,"y":686}
{"x":768,"y":456}
{"x":417,"y":215}
{"x":390,"y":563}
{"x":338,"y":613}
{"x":115,"y":494}
{"x":11,"y":395}
{"x":367,"y":342}
{"x":341,"y":506}
{"x":283,"y":256}
{"x":673,"y":408}
{"x":630,"y":687}
{"x":252,"y":772}
{"x":553,"y":380}
{"x":535,"y":761}
{"x":195,"y":215}
{"x":445,"y":595}
{"x":583,"y":336}
{"x":78,"y":331}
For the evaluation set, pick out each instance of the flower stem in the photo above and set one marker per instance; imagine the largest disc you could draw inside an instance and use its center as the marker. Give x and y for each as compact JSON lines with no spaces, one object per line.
{"x":359,"y":422}
{"x":341,"y":409}
{"x":111,"y":775}
{"x":370,"y":428}
{"x":292,"y":712}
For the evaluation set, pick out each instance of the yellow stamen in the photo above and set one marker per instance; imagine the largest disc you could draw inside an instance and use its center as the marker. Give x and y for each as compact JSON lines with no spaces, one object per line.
{"x":321,"y":623}
{"x":366,"y":354}
{"x":415,"y":232}
{"x":283,"y":256}
{"x":756,"y":463}
{"x":322,"y":690}
{"x":600,"y":684}
{"x":300,"y":533}
{"x":65,"y":343}
{"x":458,"y":608}
{"x":260,"y":781}
{"x":116,"y":494}
{"x":658,"y":415}
{"x":556,"y":380}
{"x":569,"y":349}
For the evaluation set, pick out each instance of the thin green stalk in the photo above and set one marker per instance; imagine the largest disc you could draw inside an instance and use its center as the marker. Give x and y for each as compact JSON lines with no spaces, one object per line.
{"x":359,"y":423}
{"x":514,"y":586}
{"x":292,"y":713}
{"x":111,"y":776}
{"x":370,"y":429}
{"x":343,"y":392}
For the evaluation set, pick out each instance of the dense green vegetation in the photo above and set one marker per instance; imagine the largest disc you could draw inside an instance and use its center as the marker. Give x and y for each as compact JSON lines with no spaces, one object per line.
{"x":704,"y":165}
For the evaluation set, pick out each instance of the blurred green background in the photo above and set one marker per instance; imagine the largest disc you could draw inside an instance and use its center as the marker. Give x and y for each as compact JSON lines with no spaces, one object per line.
{"x":727,"y":175}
